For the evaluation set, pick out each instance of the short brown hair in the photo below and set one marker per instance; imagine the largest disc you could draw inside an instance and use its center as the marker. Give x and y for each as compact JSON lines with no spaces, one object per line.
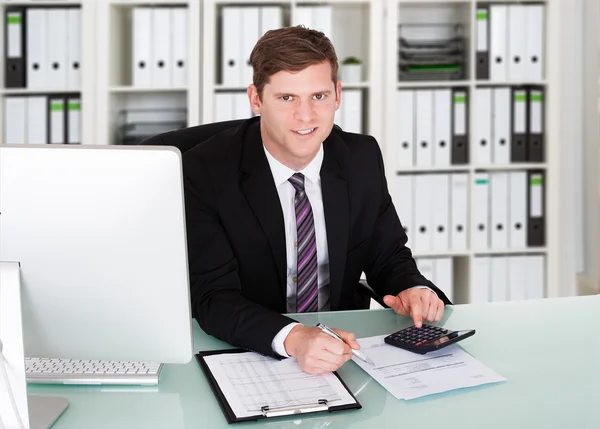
{"x":290,"y":49}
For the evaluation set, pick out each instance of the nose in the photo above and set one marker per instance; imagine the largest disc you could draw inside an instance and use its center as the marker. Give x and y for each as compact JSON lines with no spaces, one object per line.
{"x":303,"y":111}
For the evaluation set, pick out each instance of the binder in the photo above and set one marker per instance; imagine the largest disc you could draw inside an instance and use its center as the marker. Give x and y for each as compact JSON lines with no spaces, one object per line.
{"x":517,"y":274}
{"x":73,"y":120}
{"x":142,"y":46}
{"x":518,"y":150}
{"x":498,"y":42}
{"x":405,"y":128}
{"x":442,"y":100}
{"x":14,"y":37}
{"x":422,"y":216}
{"x":501,"y":126}
{"x":339,"y":116}
{"x":36,"y":119}
{"x":404,"y":203}
{"x":322,"y":19}
{"x":224,"y":107}
{"x":535,"y":144}
{"x":426,"y":268}
{"x":303,"y":16}
{"x":534,"y":276}
{"x":535,"y":208}
{"x":483,"y":126}
{"x":424,"y":130}
{"x":56,"y":45}
{"x":241,"y":106}
{"x":481,"y":211}
{"x":480,"y":286}
{"x":352,"y":112}
{"x":249,"y":35}
{"x":534,"y":42}
{"x":499,"y":210}
{"x":459,"y":204}
{"x":57,"y":119}
{"x":231,"y":48}
{"x":179,"y":46}
{"x":517,"y":206}
{"x":74,"y":35}
{"x":440,"y":211}
{"x":266,"y":411}
{"x":271,"y":18}
{"x":443,"y":276}
{"x":516,"y":25}
{"x":15,"y":117}
{"x":482,"y":68}
{"x":36,"y":52}
{"x":499,"y":278}
{"x":161,"y":32}
{"x":460,"y":143}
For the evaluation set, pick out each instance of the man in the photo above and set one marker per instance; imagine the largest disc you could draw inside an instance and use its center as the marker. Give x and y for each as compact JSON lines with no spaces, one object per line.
{"x":284,"y":214}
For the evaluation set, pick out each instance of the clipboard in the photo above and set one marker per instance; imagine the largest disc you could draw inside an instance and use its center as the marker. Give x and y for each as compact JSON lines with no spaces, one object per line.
{"x":266,"y":411}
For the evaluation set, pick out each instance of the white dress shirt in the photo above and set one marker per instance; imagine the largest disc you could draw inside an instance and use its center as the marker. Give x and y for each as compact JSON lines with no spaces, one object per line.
{"x":287,"y":193}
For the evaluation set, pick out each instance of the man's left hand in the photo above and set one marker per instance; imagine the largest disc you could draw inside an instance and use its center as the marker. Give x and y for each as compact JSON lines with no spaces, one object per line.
{"x":418,"y":303}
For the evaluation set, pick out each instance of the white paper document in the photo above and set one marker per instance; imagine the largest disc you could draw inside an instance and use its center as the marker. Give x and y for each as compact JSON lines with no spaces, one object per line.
{"x":408,"y":375}
{"x":251,"y":381}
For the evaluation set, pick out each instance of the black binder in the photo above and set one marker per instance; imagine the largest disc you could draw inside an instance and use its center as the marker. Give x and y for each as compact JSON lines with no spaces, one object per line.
{"x":536,"y":209}
{"x":266,"y":412}
{"x":14,"y":34}
{"x":459,"y":152}
{"x":536,"y":125}
{"x":482,"y":68}
{"x":518,"y":121}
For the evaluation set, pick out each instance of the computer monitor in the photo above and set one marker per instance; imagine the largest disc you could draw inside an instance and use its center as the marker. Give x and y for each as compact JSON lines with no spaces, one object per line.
{"x":99,"y":232}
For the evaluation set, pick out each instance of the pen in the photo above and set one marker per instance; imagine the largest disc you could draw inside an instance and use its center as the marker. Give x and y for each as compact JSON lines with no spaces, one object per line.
{"x":356,"y":353}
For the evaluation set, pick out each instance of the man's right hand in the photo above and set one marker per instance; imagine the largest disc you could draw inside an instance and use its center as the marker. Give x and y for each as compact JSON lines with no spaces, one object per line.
{"x":318,"y":352}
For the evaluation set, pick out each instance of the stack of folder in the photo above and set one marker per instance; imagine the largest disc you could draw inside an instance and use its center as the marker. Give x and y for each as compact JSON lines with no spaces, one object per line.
{"x":431,"y":52}
{"x":440,"y":271}
{"x":136,"y":125}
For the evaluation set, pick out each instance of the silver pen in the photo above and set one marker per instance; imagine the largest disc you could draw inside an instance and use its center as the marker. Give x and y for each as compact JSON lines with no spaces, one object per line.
{"x":356,"y":353}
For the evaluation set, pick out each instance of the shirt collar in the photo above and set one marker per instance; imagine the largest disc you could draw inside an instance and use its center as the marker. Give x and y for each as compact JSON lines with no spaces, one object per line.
{"x":282,"y":173}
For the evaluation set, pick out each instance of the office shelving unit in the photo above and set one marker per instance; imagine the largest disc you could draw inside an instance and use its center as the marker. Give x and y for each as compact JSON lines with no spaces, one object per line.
{"x":364,"y":28}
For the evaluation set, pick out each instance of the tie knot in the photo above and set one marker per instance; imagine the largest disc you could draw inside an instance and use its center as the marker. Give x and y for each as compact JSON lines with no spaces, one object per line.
{"x":297,"y":181}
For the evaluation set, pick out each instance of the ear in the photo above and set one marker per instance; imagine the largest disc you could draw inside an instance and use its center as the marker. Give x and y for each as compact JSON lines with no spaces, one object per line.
{"x":338,"y":94}
{"x":255,"y":103}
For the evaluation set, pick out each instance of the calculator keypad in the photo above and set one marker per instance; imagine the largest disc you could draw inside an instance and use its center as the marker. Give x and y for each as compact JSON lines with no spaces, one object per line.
{"x":417,"y":336}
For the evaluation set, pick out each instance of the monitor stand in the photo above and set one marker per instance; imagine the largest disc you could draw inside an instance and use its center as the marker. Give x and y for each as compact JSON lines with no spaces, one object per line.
{"x":17,"y":409}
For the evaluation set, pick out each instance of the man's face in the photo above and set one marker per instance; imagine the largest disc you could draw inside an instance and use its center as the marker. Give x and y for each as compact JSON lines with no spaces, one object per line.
{"x":297,"y":112}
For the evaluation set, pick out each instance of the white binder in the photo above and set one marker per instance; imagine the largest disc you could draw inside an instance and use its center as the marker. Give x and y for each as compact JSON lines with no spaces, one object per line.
{"x":57,"y":120}
{"x":516,"y":58}
{"x":56,"y":36}
{"x":423,"y":218}
{"x":302,"y":16}
{"x":241,"y":106}
{"x":501,"y":126}
{"x":339,"y":114}
{"x":231,"y":49}
{"x":498,"y":42}
{"x":142,"y":47}
{"x":440,"y":211}
{"x":517,"y":274}
{"x":442,"y":128}
{"x":499,"y":210}
{"x":74,"y":35}
{"x":459,"y":204}
{"x":74,"y":120}
{"x":443,"y":276}
{"x":15,"y":117}
{"x":322,"y":18}
{"x":483,"y":126}
{"x":162,"y":62}
{"x":179,"y":46}
{"x":224,"y":107}
{"x":424,"y":128}
{"x":37,"y":53}
{"x":535,"y":42}
{"x":271,"y":18}
{"x":480,"y":285}
{"x":426,"y":267}
{"x":535,"y":278}
{"x":37,"y":120}
{"x":250,"y":33}
{"x":405,"y":129}
{"x":404,"y":203}
{"x":517,"y":231}
{"x":352,"y":113}
{"x":499,"y":278}
{"x":481,"y":211}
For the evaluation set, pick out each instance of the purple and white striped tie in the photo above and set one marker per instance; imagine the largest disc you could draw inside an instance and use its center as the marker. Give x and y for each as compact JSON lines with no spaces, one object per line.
{"x":307,"y":286}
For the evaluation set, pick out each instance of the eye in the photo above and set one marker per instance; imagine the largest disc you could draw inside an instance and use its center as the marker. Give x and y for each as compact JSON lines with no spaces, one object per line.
{"x":319,"y":96}
{"x":286,"y":97}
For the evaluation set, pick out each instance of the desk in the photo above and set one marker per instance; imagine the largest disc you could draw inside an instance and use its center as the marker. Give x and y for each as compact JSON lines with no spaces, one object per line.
{"x":549,"y":350}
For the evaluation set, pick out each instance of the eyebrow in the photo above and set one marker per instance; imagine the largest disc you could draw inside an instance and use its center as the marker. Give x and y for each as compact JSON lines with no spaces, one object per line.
{"x":325,"y":91}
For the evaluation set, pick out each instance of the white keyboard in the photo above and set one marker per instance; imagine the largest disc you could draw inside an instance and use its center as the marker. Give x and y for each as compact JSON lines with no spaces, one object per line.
{"x":72,"y":371}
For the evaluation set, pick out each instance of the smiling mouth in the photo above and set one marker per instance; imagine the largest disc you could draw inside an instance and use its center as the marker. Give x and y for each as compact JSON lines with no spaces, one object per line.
{"x":306,"y":131}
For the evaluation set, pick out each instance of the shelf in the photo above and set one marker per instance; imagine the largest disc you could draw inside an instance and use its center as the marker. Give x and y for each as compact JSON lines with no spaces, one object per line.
{"x":142,"y":89}
{"x":148,"y":3}
{"x":510,"y":252}
{"x":447,"y":169}
{"x":441,"y":254}
{"x":485,"y":83}
{"x":512,"y":167}
{"x":433,"y":84}
{"x":28,"y":91}
{"x":42,"y":3}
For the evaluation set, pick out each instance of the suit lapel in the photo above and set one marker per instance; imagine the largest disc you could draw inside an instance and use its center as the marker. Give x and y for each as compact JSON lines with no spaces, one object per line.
{"x":259,"y":187}
{"x":336,"y":206}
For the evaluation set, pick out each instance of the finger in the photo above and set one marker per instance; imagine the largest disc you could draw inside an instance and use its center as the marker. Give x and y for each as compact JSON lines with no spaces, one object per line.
{"x":349,"y":338}
{"x":416,"y":312}
{"x":391,"y":301}
{"x":335,"y":346}
{"x":440,"y":311}
{"x":433,"y":309}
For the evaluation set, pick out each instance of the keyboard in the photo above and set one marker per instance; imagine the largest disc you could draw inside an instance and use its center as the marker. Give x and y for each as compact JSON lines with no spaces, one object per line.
{"x":73,"y":371}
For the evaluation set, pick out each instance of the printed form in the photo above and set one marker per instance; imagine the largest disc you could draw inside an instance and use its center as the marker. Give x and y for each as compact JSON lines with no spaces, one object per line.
{"x":408,"y":375}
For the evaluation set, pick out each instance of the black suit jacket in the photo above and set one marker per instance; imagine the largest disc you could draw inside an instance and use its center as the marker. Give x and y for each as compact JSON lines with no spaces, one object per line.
{"x":236,"y":239}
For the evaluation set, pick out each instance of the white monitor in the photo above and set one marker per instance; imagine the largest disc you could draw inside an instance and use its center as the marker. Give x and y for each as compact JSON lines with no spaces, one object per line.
{"x":99,"y":232}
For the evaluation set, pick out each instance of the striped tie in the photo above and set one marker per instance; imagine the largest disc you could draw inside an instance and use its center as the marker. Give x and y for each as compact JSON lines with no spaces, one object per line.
{"x":307,"y":282}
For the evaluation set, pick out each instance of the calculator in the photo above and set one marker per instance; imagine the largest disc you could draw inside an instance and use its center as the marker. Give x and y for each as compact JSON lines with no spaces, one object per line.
{"x":426,"y":339}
